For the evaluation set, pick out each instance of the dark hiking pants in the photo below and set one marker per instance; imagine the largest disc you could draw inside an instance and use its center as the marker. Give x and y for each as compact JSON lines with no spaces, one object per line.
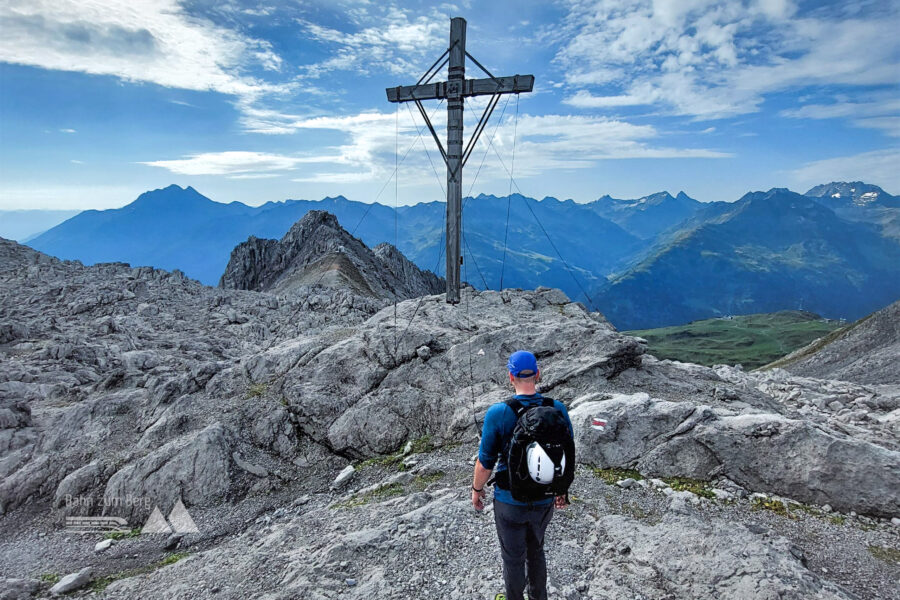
{"x":521,"y":532}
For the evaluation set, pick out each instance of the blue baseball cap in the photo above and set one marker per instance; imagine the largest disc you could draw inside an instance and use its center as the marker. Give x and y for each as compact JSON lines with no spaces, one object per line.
{"x":522,"y":364}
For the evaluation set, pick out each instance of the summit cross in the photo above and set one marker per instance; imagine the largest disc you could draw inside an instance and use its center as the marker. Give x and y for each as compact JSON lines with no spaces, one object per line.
{"x":455,"y":90}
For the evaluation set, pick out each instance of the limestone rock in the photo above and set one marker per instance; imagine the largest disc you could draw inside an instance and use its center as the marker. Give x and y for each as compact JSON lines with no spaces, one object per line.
{"x":760,"y":451}
{"x":72,"y":582}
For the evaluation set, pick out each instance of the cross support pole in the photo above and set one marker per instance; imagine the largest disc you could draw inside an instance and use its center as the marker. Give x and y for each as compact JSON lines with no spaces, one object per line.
{"x":455,"y":90}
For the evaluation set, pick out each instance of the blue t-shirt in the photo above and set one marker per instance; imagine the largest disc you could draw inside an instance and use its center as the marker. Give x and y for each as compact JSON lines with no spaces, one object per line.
{"x":499,"y":422}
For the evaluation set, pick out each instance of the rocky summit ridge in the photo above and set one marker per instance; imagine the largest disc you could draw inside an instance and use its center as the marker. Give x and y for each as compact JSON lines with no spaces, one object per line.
{"x":316,"y":250}
{"x":322,"y":442}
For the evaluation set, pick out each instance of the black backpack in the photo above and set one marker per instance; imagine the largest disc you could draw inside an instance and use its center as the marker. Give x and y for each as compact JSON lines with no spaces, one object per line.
{"x":538,"y":427}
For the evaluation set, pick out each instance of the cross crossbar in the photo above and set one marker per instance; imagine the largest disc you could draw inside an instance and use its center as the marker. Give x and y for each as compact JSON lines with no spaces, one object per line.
{"x":454,"y":91}
{"x":514,"y":84}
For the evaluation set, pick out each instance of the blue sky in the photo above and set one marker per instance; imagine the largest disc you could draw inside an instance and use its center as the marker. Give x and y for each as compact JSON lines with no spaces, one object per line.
{"x":257,"y":101}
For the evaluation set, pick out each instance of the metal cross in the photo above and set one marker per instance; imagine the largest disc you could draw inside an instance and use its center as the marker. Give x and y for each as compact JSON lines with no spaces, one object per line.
{"x":455,"y":89}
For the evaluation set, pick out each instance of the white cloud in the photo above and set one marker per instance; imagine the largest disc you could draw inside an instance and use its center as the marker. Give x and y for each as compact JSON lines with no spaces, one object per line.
{"x":878,"y":167}
{"x":67,"y":130}
{"x":709,"y":59}
{"x":873,"y":112}
{"x":237,"y":164}
{"x":543,"y":143}
{"x":390,"y":42}
{"x":140,"y":41}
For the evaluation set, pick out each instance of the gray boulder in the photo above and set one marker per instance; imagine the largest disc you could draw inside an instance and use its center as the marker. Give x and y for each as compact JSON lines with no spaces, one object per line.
{"x":195,"y":468}
{"x":72,"y":582}
{"x":760,"y":451}
{"x":685,"y":556}
{"x":17,"y":589}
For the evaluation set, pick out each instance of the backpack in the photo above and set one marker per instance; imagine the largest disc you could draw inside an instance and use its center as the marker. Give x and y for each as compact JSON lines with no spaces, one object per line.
{"x":540,"y":456}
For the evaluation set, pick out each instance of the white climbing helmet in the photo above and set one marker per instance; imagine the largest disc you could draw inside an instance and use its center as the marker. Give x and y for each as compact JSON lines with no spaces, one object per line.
{"x":540,"y":465}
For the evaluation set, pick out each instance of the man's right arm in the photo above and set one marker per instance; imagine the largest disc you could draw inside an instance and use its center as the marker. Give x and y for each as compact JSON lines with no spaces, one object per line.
{"x":479,"y":480}
{"x":487,"y":455}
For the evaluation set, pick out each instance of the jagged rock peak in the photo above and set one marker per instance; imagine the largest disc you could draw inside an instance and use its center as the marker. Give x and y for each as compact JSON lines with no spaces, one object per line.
{"x":317,"y":250}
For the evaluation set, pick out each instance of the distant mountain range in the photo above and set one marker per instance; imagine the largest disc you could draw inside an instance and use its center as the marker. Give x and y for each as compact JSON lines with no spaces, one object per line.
{"x":180,"y":228}
{"x":647,"y":262}
{"x":766,"y":252}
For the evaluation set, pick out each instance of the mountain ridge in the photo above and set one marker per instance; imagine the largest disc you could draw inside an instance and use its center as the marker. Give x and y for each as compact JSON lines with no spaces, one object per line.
{"x":794,"y":246}
{"x":317,"y":250}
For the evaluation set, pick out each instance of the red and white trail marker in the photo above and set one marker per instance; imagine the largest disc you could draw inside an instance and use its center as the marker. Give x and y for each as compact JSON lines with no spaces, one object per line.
{"x":598,"y":423}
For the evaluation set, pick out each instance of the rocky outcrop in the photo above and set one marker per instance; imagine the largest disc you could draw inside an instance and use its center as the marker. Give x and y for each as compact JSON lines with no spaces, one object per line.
{"x":318,"y":251}
{"x":760,"y":451}
{"x":126,"y":388}
{"x":865,"y":352}
{"x":432,"y":367}
{"x":685,"y":557}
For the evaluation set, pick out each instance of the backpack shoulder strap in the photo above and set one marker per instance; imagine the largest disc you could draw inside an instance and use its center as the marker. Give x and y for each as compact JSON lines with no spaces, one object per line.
{"x":548,"y":402}
{"x":516,"y":406}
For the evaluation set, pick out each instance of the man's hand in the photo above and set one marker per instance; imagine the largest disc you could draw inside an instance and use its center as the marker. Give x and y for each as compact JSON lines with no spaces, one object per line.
{"x":477,"y":500}
{"x":560,"y":502}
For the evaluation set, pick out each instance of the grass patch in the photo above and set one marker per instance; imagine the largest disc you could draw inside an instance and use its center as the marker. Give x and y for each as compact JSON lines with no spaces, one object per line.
{"x":888,"y":555}
{"x":377,"y":495}
{"x":257,"y":390}
{"x":388,"y":460}
{"x":101,"y":583}
{"x":750,"y":340}
{"x":419,"y":445}
{"x":391,"y":490}
{"x":422,"y":445}
{"x":612,"y":475}
{"x":695,"y":486}
{"x":776,"y":506}
{"x":121,"y":535}
{"x":819,"y":344}
{"x":50,"y":578}
{"x":423,"y":481}
{"x":837,"y":519}
{"x":171,"y":559}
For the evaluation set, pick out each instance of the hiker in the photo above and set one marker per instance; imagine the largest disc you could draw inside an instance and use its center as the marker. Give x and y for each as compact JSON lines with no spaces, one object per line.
{"x":521,"y":522}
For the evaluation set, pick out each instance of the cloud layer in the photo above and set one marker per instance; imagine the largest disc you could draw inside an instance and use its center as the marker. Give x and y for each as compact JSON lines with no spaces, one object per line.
{"x":154,"y":42}
{"x":709,"y":59}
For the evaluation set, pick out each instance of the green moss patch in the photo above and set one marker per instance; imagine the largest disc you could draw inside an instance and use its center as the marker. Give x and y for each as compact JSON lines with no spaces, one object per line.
{"x":419,"y":445}
{"x":888,"y":555}
{"x":695,"y":486}
{"x":257,"y":390}
{"x":423,"y":481}
{"x":101,"y":583}
{"x":121,"y":535}
{"x":770,"y":504}
{"x":379,"y":494}
{"x":612,"y":475}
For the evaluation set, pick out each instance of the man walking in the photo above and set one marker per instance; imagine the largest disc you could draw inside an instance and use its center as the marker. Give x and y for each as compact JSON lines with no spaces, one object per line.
{"x":520,"y":525}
